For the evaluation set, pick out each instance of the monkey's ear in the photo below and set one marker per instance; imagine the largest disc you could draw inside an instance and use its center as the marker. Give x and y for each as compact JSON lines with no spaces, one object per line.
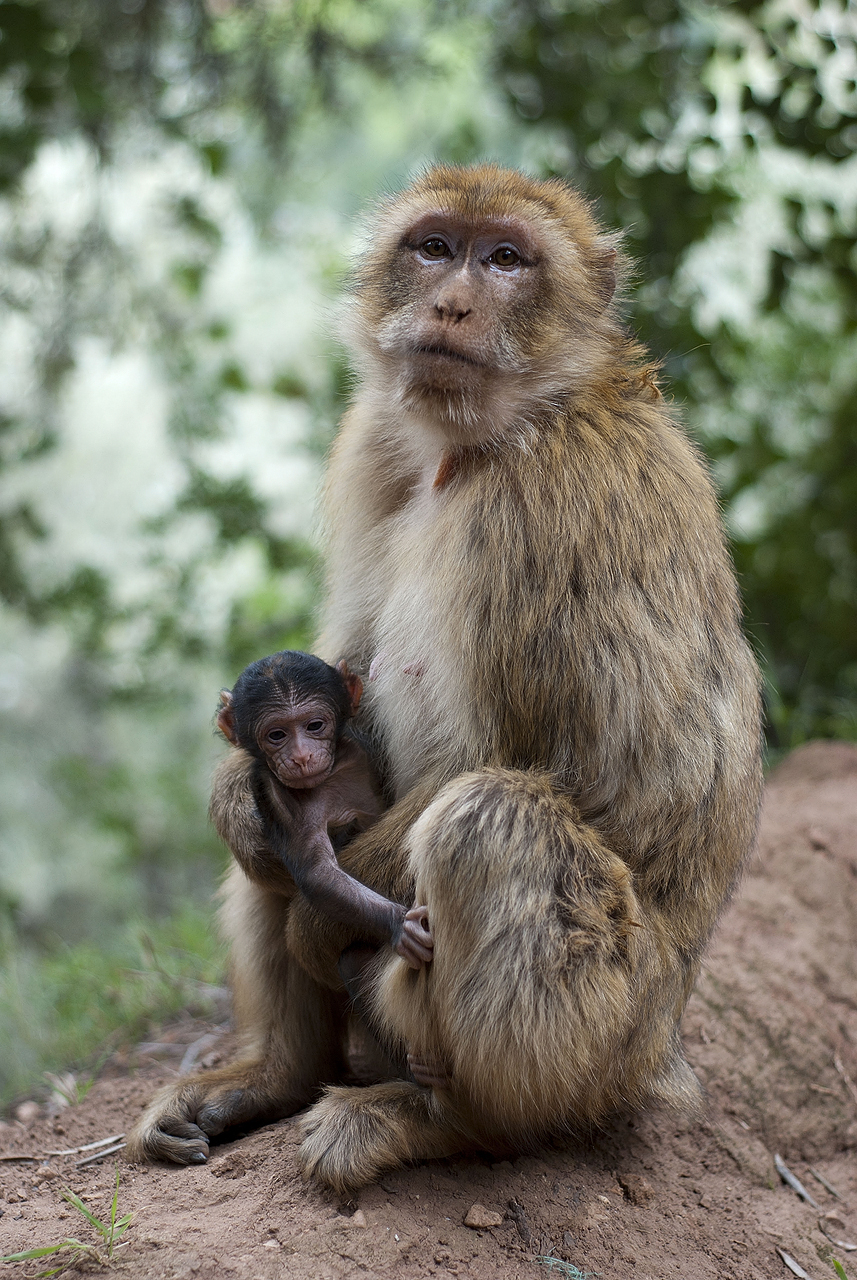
{"x":226,"y":718}
{"x":353,"y":684}
{"x":605,"y":274}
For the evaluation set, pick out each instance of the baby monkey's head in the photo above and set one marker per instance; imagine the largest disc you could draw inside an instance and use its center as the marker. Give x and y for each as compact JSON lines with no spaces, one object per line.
{"x":289,"y":711}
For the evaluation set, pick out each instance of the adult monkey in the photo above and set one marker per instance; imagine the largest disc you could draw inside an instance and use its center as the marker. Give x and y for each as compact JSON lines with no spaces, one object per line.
{"x":526,"y":549}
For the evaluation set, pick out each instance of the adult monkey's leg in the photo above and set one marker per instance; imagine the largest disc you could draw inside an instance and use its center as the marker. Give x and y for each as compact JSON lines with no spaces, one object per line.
{"x":292,"y":1038}
{"x":552,"y":998}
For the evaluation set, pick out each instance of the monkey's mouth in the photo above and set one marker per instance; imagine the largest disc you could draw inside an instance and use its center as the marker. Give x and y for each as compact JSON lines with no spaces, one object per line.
{"x":302,"y":781}
{"x":449,"y":354}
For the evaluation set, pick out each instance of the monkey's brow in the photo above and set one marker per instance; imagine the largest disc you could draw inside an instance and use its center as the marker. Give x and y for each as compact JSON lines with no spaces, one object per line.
{"x":407,"y":243}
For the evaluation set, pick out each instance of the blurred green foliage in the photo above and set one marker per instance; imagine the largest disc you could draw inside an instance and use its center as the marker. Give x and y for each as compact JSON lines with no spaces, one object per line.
{"x":73,"y":1004}
{"x":177,"y":184}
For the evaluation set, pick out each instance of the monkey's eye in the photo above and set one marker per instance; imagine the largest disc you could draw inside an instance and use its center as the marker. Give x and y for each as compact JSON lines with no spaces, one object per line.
{"x":276,"y":735}
{"x":434,"y":247}
{"x":315,"y":726}
{"x":505,"y":257}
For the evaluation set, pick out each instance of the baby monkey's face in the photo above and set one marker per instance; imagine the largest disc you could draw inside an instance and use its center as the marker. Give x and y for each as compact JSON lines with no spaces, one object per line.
{"x":298,"y":740}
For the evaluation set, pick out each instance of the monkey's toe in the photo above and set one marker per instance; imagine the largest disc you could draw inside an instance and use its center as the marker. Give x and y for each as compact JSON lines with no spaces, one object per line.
{"x":177,"y":1142}
{"x":218,"y":1113}
{"x":352,"y":1136}
{"x":348,"y":1140}
{"x":182,"y":1135}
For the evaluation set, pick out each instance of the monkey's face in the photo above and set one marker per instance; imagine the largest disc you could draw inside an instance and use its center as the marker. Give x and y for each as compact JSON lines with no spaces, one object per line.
{"x":482,"y":296}
{"x":298,"y":741}
{"x":460,"y":292}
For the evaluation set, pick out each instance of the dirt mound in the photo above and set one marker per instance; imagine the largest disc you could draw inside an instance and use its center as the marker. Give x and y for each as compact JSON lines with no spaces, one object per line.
{"x":771,"y":1031}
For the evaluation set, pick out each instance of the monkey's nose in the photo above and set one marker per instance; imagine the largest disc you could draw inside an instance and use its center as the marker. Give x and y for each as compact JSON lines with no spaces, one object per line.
{"x":452,"y":311}
{"x":452,"y":302}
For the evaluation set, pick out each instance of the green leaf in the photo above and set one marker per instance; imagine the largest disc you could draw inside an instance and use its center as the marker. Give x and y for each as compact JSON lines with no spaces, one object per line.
{"x":34,"y":1253}
{"x":68,"y":1243}
{"x":69,"y":1195}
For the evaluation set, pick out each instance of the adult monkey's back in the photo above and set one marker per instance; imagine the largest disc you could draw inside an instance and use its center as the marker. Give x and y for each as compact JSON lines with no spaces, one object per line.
{"x":526,"y":550}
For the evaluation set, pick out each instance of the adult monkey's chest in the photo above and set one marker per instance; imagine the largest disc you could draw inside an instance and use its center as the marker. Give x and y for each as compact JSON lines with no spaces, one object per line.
{"x":426,"y":646}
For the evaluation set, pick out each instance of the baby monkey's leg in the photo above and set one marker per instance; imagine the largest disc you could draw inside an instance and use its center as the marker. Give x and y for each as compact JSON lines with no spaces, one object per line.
{"x":358,"y":967}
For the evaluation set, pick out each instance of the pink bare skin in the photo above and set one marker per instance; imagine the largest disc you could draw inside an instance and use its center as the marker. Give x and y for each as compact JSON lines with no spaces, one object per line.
{"x":429,"y":1072}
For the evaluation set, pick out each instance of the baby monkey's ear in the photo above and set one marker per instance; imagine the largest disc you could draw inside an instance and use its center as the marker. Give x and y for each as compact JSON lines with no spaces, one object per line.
{"x":226,"y":718}
{"x":353,"y":684}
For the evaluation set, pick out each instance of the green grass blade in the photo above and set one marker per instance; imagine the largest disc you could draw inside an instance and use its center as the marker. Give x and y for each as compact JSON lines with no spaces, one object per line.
{"x":34,"y":1253}
{"x":113,"y":1205}
{"x":122,"y":1226}
{"x":44,"y":1250}
{"x":75,"y":1200}
{"x":839,"y":1269}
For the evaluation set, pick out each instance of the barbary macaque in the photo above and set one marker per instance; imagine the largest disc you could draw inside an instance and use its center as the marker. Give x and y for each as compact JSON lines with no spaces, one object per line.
{"x":290,"y":711}
{"x":526,"y":549}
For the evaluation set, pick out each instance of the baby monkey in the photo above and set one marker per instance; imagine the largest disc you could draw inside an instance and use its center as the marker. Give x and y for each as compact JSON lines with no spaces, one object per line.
{"x":312,"y":776}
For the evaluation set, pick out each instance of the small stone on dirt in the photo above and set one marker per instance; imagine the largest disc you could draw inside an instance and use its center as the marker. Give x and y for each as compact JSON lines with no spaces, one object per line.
{"x":357,"y":1219}
{"x":638,"y":1190}
{"x":480,"y":1218}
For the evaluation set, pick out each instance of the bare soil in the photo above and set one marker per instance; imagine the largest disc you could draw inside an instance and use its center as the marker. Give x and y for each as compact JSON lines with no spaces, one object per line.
{"x":771,"y":1030}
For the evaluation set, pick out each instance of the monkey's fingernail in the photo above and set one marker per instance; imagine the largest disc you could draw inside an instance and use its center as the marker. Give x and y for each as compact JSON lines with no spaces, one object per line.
{"x":198,"y":1157}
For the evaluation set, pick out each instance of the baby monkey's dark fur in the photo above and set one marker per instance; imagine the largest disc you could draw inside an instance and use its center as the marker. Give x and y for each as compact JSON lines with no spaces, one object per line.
{"x":291,"y":676}
{"x":314,"y":785}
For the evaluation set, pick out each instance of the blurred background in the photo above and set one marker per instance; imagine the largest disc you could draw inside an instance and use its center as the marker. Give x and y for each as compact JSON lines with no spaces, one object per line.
{"x":180,"y":185}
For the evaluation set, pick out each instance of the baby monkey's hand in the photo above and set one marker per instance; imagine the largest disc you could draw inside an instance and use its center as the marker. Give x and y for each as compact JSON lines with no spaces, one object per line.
{"x":412,"y":939}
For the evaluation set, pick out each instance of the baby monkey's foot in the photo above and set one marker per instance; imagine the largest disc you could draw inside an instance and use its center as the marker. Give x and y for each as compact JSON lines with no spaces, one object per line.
{"x":429,"y":1071}
{"x":414,"y":942}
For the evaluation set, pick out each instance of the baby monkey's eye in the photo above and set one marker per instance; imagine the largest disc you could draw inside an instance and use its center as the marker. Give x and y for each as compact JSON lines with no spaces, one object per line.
{"x":276,"y":735}
{"x":434,"y":247}
{"x":315,"y":726}
{"x":505,"y":256}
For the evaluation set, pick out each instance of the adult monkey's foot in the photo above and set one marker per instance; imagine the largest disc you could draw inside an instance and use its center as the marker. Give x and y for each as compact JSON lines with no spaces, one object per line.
{"x":181,"y":1119}
{"x":353,"y":1135}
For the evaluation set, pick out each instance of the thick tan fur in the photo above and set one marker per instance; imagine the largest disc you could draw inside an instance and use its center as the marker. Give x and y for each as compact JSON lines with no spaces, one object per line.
{"x":533,"y":566}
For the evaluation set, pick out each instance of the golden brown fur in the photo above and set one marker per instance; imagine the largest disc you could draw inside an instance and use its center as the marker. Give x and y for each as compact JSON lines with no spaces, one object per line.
{"x":526,"y":549}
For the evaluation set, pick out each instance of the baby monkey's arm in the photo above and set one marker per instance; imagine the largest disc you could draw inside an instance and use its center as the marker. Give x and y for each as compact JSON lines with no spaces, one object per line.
{"x":298,"y":834}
